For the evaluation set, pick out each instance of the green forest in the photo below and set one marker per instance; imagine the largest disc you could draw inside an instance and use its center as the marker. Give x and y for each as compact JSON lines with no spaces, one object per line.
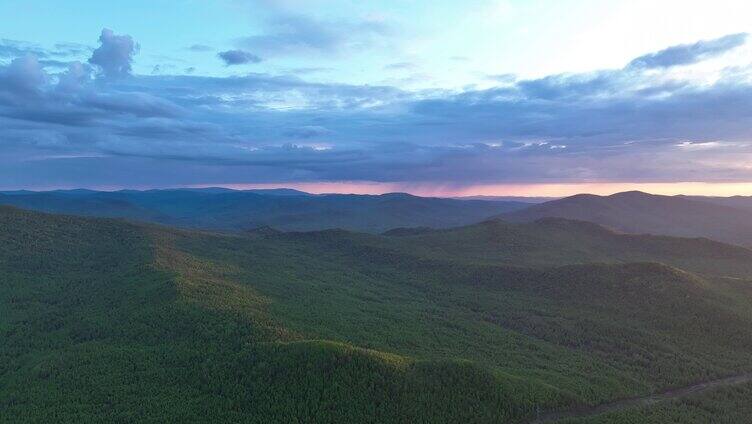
{"x":103,"y":320}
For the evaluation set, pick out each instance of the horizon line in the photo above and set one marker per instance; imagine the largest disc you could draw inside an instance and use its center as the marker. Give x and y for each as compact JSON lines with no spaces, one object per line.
{"x":553,"y":190}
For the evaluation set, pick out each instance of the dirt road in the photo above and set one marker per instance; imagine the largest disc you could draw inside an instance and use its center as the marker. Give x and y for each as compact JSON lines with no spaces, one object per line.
{"x":643,"y":401}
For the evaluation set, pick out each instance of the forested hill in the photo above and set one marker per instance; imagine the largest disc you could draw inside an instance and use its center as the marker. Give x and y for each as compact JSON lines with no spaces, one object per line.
{"x":637,"y":212}
{"x":558,"y":241}
{"x":284,"y":209}
{"x":109,"y":321}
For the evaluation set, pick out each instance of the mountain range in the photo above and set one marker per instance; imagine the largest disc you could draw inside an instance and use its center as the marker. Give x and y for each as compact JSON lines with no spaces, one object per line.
{"x":284,"y":209}
{"x":723,"y":219}
{"x":726,"y":219}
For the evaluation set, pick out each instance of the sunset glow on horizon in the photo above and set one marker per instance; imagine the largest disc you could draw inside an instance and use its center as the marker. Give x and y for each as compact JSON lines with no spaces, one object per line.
{"x":516,"y":190}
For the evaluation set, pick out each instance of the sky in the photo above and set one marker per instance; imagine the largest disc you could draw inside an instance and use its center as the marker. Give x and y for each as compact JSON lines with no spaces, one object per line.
{"x":475,"y":97}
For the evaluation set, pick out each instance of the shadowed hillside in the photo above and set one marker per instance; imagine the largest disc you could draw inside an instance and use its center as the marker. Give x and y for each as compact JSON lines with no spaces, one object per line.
{"x":554,"y":241}
{"x":738,"y":202}
{"x":546,"y":242}
{"x":637,"y":212}
{"x":120,"y":322}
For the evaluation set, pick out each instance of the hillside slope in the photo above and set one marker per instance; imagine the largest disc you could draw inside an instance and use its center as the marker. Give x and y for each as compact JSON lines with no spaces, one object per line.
{"x":637,"y":212}
{"x":737,"y":202}
{"x":111,"y":321}
{"x":558,"y":241}
{"x":108,"y":321}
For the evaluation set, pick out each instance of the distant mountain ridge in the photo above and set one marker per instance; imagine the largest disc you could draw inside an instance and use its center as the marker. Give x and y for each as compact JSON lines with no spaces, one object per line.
{"x":525,"y":199}
{"x":638,"y":212}
{"x":726,"y":219}
{"x":739,"y":202}
{"x":283,"y":209}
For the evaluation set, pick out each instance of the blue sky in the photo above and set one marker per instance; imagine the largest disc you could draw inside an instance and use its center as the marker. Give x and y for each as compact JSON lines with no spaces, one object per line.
{"x":481,"y":96}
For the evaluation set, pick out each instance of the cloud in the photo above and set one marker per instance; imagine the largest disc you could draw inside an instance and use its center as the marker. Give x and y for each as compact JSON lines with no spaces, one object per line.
{"x":310,"y":70}
{"x":398,"y":66}
{"x":71,"y":49}
{"x":294,"y":34}
{"x":59,"y":55}
{"x":13,"y":49}
{"x":502,"y":78}
{"x":139,"y":105}
{"x":76,"y":76}
{"x":686,"y":54}
{"x":24,"y":75}
{"x":705,"y":145}
{"x":200,"y":48}
{"x":630,"y":124}
{"x":308,"y":131}
{"x":114,"y":54}
{"x":238,"y":57}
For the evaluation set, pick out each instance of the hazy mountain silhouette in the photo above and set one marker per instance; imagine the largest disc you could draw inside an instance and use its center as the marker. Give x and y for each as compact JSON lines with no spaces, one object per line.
{"x":284,"y":209}
{"x":638,"y":212}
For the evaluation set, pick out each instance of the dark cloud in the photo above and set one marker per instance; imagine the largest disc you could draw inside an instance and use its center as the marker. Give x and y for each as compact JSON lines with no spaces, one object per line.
{"x":686,"y":54}
{"x":114,"y":54}
{"x":238,"y":57}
